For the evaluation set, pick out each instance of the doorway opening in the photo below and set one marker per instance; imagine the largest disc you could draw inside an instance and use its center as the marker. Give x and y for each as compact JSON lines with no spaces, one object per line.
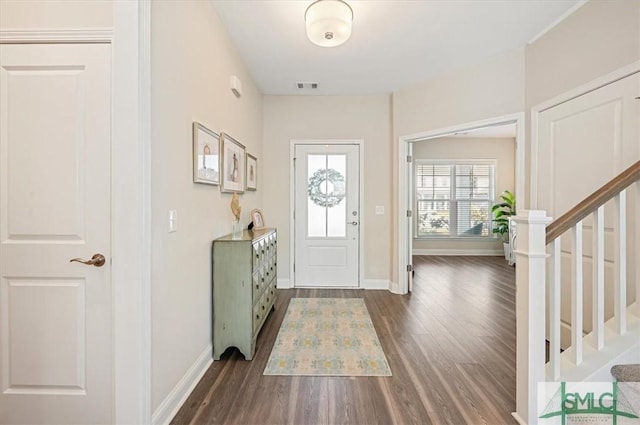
{"x":406,"y":218}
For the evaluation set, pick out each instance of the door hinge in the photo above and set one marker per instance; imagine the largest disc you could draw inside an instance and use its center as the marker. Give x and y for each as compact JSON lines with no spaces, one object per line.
{"x":294,"y":267}
{"x":409,"y":268}
{"x":409,"y":213}
{"x":409,"y":158}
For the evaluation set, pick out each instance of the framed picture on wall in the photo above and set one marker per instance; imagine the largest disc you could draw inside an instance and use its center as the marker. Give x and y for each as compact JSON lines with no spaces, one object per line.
{"x":233,"y":164}
{"x":252,"y":172}
{"x":206,"y":155}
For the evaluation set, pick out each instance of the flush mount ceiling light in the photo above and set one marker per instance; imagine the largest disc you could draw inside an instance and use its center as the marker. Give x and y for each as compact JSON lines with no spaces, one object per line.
{"x":328,"y":22}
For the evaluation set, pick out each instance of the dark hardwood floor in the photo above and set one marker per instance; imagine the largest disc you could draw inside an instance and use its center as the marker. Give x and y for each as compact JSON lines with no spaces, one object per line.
{"x":450,"y":345}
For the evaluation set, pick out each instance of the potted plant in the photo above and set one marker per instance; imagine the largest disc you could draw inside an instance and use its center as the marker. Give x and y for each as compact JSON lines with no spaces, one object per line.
{"x":501,"y":213}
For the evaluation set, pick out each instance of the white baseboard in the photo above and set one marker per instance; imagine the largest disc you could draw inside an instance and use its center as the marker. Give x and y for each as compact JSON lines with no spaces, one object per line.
{"x":283,"y":283}
{"x":176,"y":398}
{"x":463,"y":252}
{"x":376,"y":284}
{"x":518,"y":418}
{"x":394,"y":287}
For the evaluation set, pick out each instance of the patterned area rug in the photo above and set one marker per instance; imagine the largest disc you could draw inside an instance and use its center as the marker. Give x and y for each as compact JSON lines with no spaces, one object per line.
{"x":327,"y":337}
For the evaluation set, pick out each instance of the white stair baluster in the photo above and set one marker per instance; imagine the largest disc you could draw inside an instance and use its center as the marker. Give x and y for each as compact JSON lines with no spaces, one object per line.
{"x":554,"y":308}
{"x":598,"y":278}
{"x":576,"y":293}
{"x":620,"y":264}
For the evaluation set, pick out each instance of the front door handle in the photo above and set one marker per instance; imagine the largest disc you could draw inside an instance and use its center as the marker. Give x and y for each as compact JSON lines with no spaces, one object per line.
{"x":97,"y":260}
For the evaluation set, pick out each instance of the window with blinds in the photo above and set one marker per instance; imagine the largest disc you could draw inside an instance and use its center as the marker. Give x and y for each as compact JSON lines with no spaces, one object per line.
{"x":453,"y":199}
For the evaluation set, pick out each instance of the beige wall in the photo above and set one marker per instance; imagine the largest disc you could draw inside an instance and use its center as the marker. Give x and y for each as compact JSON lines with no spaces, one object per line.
{"x":331,"y":117}
{"x":56,"y":14}
{"x":491,"y":89}
{"x":500,"y":149}
{"x":598,"y":38}
{"x":192,"y":59}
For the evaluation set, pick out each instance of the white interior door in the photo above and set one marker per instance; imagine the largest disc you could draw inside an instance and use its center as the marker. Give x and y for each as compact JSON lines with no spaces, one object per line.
{"x":327,"y":215}
{"x":582,"y":144}
{"x":55,"y":315}
{"x":585,"y":142}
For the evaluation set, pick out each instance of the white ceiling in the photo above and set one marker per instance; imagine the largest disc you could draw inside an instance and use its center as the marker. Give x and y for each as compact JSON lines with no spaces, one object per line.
{"x":395,"y":43}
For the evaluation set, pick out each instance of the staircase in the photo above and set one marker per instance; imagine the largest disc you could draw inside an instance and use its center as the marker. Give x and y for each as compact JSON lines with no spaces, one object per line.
{"x":613,"y":336}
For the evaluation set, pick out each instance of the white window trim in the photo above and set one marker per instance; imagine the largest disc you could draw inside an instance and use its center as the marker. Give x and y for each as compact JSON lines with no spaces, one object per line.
{"x":455,"y":162}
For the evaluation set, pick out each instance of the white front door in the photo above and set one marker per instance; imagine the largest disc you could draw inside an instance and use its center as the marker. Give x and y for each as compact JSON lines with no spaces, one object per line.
{"x":55,"y":315}
{"x":327,"y":215}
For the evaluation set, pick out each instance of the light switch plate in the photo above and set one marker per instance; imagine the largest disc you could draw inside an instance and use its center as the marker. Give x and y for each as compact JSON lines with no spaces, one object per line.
{"x":173,"y":221}
{"x":379,"y":209}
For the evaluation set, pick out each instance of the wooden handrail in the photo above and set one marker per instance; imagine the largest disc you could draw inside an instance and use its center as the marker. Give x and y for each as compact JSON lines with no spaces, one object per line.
{"x":593,"y":202}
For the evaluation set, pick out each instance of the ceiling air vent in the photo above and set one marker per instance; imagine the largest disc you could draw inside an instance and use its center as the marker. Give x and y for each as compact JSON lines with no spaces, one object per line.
{"x":312,"y":86}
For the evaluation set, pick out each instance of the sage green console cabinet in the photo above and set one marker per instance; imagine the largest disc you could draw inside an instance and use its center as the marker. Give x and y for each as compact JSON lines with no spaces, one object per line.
{"x":244,"y":289}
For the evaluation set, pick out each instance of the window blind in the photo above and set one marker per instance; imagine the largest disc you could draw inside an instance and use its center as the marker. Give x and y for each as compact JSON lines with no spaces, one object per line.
{"x":454,"y":199}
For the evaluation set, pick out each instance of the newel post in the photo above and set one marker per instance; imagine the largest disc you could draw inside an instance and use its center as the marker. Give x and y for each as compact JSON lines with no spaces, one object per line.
{"x":530,"y":312}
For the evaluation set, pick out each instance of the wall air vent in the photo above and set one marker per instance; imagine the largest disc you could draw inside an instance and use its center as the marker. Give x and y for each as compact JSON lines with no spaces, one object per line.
{"x":303,"y":86}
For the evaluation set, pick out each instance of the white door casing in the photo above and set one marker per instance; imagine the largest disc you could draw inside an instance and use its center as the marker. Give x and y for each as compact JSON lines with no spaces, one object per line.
{"x":327,"y":215}
{"x":55,"y":331}
{"x":581,"y":144}
{"x":410,"y":194}
{"x":405,"y":176}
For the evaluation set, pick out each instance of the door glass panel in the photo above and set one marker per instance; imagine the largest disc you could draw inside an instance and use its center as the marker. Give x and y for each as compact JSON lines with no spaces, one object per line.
{"x":316,"y":213}
{"x":337,"y":214}
{"x":326,"y":189}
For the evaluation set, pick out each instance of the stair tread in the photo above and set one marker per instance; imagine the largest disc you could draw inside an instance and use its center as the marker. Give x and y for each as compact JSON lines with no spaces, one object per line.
{"x":626,"y":372}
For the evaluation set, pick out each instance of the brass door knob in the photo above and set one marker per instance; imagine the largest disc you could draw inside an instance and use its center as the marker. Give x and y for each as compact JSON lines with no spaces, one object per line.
{"x":97,"y":260}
